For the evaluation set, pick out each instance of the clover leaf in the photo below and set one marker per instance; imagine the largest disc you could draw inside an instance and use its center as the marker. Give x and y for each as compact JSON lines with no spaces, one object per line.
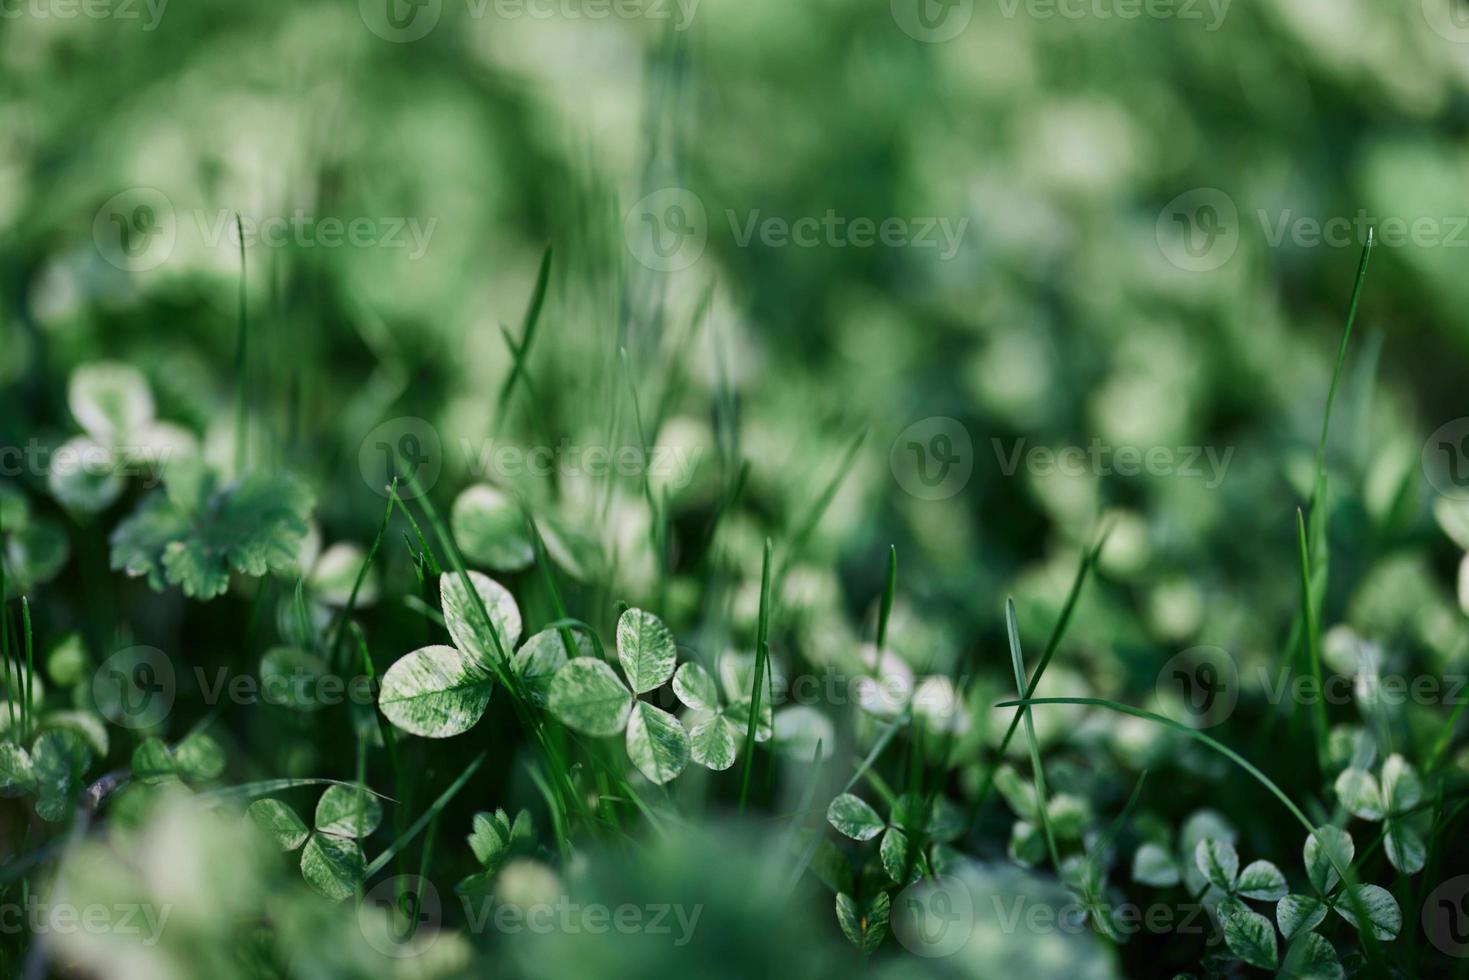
{"x":332,"y":861}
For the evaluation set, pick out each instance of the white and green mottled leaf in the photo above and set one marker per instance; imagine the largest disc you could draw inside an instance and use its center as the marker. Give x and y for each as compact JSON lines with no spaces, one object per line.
{"x":334,"y":866}
{"x":1382,"y":911}
{"x":152,"y":762}
{"x":109,"y":399}
{"x":738,"y":711}
{"x":645,"y":649}
{"x":1401,"y":787}
{"x":1358,"y":792}
{"x":88,"y":725}
{"x":83,"y":476}
{"x":656,"y":742}
{"x":435,"y":692}
{"x":712,"y":740}
{"x":1404,"y":846}
{"x":894,"y":854}
{"x":279,"y":822}
{"x":1218,"y":861}
{"x":198,"y":758}
{"x":1261,"y":881}
{"x":1152,"y":865}
{"x":587,"y":695}
{"x":1321,"y":846}
{"x":348,"y":811}
{"x":854,"y":817}
{"x":1311,"y":957}
{"x":17,"y":777}
{"x":541,"y":656}
{"x":465,"y":624}
{"x":695,"y":688}
{"x":1299,"y":913}
{"x":865,"y":926}
{"x":490,"y":530}
{"x":1251,"y":937}
{"x":59,"y":760}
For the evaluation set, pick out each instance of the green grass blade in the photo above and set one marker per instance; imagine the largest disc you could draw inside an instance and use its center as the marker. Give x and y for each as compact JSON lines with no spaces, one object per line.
{"x":242,"y":354}
{"x":1088,"y":562}
{"x":1017,"y":660}
{"x":808,"y":524}
{"x":889,"y":591}
{"x":1312,"y":640}
{"x":381,"y":861}
{"x":762,"y":655}
{"x":521,"y":351}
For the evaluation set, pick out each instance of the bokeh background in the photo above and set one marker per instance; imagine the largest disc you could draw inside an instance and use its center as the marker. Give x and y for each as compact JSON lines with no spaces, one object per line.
{"x":1130,"y":191}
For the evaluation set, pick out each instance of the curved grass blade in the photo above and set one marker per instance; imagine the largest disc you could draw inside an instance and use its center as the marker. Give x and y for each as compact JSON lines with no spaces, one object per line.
{"x":1017,"y":660}
{"x":381,"y":861}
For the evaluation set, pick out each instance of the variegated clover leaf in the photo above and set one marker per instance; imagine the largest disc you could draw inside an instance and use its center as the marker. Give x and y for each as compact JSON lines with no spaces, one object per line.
{"x":33,"y":549}
{"x":1068,"y":816}
{"x":113,"y":405}
{"x":494,"y":840}
{"x":912,"y":819}
{"x":718,"y":723}
{"x":332,"y":861}
{"x":439,"y":691}
{"x":1327,"y":849}
{"x":586,"y":694}
{"x":1391,"y":800}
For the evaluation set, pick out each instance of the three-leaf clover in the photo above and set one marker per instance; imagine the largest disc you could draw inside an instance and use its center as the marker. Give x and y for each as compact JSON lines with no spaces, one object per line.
{"x":586,"y":694}
{"x":33,"y":549}
{"x":1326,"y":849}
{"x":196,"y":759}
{"x":113,"y":405}
{"x":332,"y":861}
{"x":439,"y":691}
{"x":494,"y":840}
{"x":717,"y":725}
{"x":195,"y":532}
{"x":52,"y":771}
{"x":910,"y":819}
{"x":1249,"y":935}
{"x":1389,"y":801}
